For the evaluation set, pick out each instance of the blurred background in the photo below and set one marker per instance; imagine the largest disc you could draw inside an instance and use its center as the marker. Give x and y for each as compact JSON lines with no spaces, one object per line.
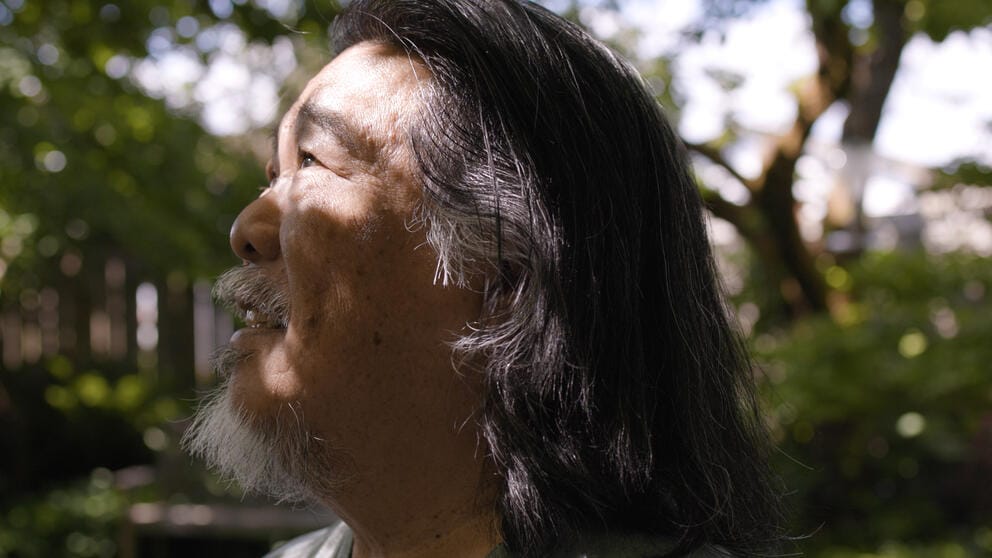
{"x":844,"y":148}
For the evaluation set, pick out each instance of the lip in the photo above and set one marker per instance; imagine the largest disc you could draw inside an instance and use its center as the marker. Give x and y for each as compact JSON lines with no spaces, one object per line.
{"x":257,"y":301}
{"x":245,"y":337}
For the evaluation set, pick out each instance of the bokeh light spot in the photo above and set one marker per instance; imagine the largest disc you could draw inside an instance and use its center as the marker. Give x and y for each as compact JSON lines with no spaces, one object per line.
{"x":912,"y":344}
{"x":911,"y":425}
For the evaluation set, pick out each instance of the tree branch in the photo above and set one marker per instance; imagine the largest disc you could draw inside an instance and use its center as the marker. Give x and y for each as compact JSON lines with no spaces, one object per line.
{"x":718,"y":159}
{"x":734,"y":214}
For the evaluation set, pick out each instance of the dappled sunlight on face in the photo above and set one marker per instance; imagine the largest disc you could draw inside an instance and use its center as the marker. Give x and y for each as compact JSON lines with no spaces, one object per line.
{"x":348,"y":334}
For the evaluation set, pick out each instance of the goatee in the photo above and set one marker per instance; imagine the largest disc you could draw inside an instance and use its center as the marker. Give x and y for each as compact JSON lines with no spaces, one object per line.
{"x":275,"y":454}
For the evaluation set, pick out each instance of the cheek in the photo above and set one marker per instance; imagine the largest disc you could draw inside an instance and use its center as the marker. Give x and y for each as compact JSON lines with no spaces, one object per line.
{"x":321,"y":239}
{"x":362,"y":284}
{"x":267,"y":380}
{"x":349,"y":269}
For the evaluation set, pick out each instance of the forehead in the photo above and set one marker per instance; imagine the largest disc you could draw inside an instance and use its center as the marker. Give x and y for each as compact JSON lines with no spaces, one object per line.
{"x":373,"y":85}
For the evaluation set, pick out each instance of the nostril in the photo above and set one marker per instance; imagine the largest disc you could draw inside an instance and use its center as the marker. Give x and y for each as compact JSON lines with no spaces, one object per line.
{"x":255,"y":233}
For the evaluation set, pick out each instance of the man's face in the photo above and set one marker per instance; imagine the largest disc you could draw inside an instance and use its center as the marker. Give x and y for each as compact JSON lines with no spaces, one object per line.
{"x":357,"y":354}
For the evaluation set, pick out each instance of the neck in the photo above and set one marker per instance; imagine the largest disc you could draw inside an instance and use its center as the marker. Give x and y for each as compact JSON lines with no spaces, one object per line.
{"x":426,"y":498}
{"x":469,"y":537}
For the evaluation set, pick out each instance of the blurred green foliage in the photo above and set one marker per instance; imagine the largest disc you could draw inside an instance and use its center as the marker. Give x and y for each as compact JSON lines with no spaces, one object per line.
{"x":884,"y":410}
{"x":79,"y":520}
{"x":935,"y":18}
{"x":88,"y":162}
{"x":65,"y":422}
{"x":963,"y":172}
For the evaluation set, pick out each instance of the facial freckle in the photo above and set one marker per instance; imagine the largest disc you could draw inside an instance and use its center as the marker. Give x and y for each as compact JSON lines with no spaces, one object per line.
{"x":376,"y":338}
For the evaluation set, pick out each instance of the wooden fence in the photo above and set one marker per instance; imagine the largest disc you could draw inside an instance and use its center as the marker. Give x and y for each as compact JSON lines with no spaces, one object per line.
{"x":108,"y":312}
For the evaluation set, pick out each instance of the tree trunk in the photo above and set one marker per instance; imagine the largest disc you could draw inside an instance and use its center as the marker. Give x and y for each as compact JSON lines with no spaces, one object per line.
{"x":864,"y":80}
{"x":871,"y":81}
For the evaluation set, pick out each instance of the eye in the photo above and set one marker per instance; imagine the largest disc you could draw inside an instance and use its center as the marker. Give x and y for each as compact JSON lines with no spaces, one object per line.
{"x":307,"y":159}
{"x":270,"y":171}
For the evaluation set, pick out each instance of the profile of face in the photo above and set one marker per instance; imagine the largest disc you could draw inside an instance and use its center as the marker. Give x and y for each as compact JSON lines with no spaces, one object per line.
{"x":345,"y":366}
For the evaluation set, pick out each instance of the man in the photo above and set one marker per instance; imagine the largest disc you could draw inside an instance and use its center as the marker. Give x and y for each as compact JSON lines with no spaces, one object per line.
{"x":482,"y":316}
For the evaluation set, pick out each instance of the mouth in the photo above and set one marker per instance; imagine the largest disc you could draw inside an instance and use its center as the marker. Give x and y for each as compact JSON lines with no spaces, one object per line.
{"x":256,"y":318}
{"x":253,"y":298}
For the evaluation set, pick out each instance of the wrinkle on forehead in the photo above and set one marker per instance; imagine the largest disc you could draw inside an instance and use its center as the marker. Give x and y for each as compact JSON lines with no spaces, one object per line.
{"x":377,"y":87}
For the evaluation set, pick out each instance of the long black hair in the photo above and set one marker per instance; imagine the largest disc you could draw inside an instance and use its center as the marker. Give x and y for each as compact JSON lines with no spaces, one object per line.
{"x":618,"y":395}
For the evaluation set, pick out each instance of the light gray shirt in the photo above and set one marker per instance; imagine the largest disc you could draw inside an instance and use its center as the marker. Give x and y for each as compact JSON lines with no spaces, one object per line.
{"x":330,"y":542}
{"x":335,"y":542}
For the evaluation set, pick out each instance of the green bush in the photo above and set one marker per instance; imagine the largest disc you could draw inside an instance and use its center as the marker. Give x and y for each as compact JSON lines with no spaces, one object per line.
{"x":884,"y":409}
{"x":80,"y":520}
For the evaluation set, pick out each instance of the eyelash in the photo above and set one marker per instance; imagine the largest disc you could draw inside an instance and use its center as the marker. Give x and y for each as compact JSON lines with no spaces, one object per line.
{"x":307,"y":159}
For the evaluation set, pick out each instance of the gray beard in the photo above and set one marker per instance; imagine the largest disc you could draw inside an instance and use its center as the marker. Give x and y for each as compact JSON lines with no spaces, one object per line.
{"x":276,"y":456}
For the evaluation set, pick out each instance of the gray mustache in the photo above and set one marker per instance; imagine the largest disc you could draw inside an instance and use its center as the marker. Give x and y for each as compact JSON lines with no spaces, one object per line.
{"x":245,"y":288}
{"x":224,"y":359}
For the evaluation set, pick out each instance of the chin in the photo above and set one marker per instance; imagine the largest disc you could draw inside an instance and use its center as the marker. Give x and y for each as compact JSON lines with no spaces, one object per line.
{"x":273,"y":454}
{"x":260,"y":380}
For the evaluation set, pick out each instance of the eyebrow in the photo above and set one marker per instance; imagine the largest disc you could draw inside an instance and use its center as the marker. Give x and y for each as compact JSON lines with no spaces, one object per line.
{"x":334,"y":122}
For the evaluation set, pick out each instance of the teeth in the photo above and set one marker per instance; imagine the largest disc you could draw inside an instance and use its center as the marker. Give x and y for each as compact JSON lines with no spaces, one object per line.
{"x":257,"y":320}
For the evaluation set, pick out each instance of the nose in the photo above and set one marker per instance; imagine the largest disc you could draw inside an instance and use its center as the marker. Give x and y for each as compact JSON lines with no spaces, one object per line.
{"x":255,"y":233}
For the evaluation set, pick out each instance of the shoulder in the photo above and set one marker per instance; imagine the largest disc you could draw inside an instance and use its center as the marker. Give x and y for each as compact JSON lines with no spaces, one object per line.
{"x":330,"y":542}
{"x":624,"y":545}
